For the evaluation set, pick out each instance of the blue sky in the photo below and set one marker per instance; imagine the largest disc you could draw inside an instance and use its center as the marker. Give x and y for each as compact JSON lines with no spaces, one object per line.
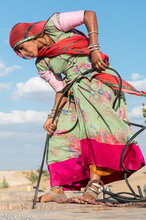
{"x":25,"y":99}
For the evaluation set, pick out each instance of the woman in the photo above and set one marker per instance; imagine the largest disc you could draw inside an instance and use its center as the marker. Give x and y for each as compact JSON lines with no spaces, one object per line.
{"x":88,"y":135}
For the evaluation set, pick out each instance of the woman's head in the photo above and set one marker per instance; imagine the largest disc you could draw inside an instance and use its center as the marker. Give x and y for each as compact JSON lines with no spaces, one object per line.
{"x":22,"y":38}
{"x":27,"y":49}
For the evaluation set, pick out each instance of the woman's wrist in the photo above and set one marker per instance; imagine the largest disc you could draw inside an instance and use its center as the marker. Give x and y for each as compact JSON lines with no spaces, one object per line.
{"x":52,"y":113}
{"x":51,"y":116}
{"x":93,"y":32}
{"x":95,"y":46}
{"x":54,"y":110}
{"x":93,"y":37}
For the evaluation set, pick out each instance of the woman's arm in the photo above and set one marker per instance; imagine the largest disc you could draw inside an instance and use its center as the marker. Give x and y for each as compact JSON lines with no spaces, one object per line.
{"x":90,"y":21}
{"x":57,"y":98}
{"x":69,"y":20}
{"x":49,"y":126}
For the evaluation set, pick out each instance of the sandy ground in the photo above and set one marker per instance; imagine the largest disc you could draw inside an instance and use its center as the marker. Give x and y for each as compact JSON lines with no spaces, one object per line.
{"x":14,"y":178}
{"x":138,"y":178}
{"x":15,"y":201}
{"x":19,"y":181}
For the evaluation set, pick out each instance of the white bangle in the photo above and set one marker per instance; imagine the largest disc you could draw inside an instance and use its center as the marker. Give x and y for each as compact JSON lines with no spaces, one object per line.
{"x":93,"y":47}
{"x":93,"y":32}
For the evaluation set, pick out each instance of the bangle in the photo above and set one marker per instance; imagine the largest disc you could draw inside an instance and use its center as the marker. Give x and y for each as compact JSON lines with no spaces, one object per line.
{"x":54,"y":109}
{"x":93,"y":47}
{"x":51,"y":115}
{"x":93,"y":32}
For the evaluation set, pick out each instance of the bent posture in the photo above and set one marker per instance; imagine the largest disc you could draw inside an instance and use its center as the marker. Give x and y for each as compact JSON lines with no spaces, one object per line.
{"x":88,"y":135}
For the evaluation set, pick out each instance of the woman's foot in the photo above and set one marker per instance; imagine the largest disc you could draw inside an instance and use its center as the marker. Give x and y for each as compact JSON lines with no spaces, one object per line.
{"x":91,"y":193}
{"x":52,"y":196}
{"x":92,"y":190}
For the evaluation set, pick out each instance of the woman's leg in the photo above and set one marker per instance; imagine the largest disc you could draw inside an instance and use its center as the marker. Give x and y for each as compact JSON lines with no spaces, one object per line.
{"x":94,"y":175}
{"x":92,"y":188}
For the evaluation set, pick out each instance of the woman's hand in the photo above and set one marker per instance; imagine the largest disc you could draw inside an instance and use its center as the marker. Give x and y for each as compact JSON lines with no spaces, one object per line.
{"x":97,"y":61}
{"x":49,"y":126}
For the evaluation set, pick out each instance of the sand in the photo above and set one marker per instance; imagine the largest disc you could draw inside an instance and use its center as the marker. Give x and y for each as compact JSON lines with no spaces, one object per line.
{"x":18,"y":180}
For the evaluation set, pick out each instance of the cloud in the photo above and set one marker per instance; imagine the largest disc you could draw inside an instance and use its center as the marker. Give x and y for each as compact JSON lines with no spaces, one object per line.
{"x":4,"y":70}
{"x":22,"y":146}
{"x":34,"y":88}
{"x":4,"y":86}
{"x":22,"y":139}
{"x":138,"y":84}
{"x":136,"y":112}
{"x":135,"y":76}
{"x":22,"y":117}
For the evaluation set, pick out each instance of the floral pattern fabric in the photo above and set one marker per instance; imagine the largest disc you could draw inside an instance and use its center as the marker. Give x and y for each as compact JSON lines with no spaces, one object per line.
{"x":88,"y":112}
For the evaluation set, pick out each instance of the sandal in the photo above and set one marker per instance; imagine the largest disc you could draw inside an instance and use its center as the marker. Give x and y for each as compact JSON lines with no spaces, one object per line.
{"x":51,"y":197}
{"x":91,"y":193}
{"x":93,"y":189}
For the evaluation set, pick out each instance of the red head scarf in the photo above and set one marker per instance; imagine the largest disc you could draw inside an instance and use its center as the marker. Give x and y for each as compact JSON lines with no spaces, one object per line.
{"x":22,"y":32}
